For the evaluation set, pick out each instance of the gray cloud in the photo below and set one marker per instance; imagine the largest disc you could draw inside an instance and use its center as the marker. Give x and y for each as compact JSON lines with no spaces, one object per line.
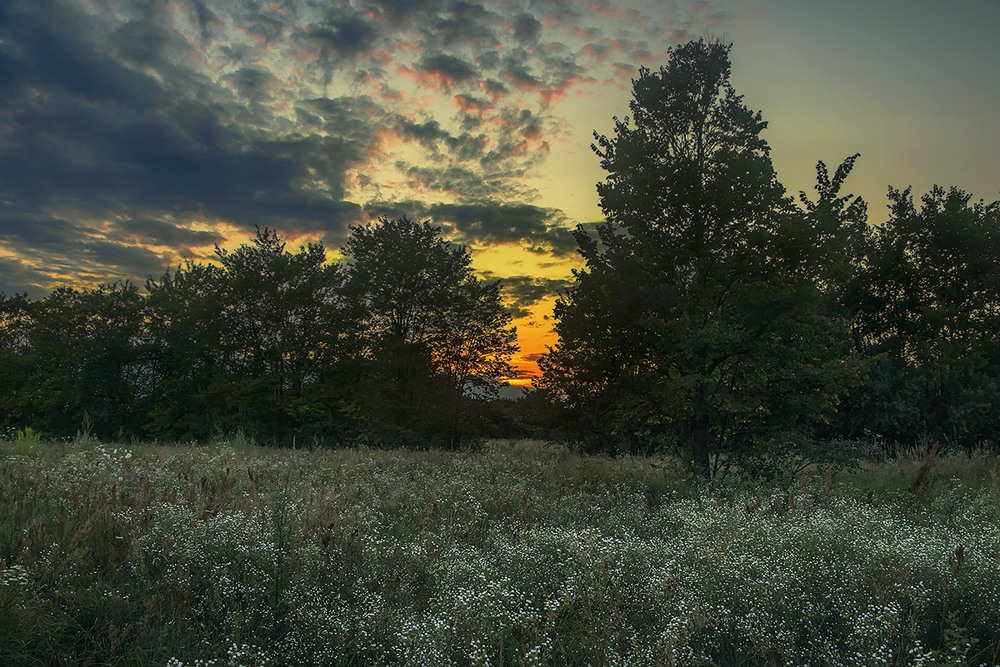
{"x":36,"y":230}
{"x":251,"y":82}
{"x":208,"y":21}
{"x":126,"y":122}
{"x":18,"y":278}
{"x":523,"y":292}
{"x":465,"y":23}
{"x":433,"y":137}
{"x":396,"y":12}
{"x":163,"y":232}
{"x":453,"y":69}
{"x":89,"y":138}
{"x":527,"y":28}
{"x":538,"y":229}
{"x":342,"y":36}
{"x":412,"y":209}
{"x":147,"y":43}
{"x":126,"y":260}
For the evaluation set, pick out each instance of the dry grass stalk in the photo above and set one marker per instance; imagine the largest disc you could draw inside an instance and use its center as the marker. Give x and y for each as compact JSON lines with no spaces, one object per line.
{"x":925,"y":466}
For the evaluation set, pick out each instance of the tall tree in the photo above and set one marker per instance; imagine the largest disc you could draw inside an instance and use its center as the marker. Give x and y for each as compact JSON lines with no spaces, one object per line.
{"x":930,"y":317}
{"x":286,"y":325}
{"x":73,"y":353}
{"x":693,"y":318}
{"x":17,"y":359}
{"x":255,"y":342}
{"x":433,"y":331}
{"x":186,"y":328}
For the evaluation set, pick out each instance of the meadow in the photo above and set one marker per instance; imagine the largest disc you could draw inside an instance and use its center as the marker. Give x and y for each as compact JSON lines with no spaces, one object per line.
{"x":515,"y":553}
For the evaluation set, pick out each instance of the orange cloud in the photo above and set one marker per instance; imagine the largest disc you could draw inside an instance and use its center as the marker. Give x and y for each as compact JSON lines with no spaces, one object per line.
{"x":436,"y":80}
{"x":622,"y":70}
{"x":381,"y":57}
{"x":470,"y":105}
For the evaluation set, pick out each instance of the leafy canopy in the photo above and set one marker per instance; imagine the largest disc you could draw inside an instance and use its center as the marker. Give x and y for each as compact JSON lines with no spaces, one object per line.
{"x":692,"y":320}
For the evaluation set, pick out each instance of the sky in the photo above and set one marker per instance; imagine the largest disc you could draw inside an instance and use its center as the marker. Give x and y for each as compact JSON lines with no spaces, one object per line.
{"x":135,"y":134}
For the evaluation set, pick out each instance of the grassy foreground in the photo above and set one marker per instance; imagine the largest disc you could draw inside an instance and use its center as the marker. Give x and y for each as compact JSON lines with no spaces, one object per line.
{"x":518,"y":554}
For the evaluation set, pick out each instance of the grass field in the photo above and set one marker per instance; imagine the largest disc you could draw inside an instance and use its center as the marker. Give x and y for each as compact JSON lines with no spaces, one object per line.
{"x":518,"y":553}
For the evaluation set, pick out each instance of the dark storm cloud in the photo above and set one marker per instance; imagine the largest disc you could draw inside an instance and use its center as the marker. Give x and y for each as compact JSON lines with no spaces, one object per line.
{"x":126,"y":122}
{"x":64,"y":247}
{"x":36,"y":230}
{"x":163,"y":232}
{"x":127,"y":260}
{"x":46,"y":50}
{"x":523,"y":292}
{"x":111,"y":157}
{"x":539,"y":229}
{"x":89,"y":134}
{"x":146,"y":43}
{"x":527,"y":28}
{"x":451,"y":68}
{"x":18,"y":278}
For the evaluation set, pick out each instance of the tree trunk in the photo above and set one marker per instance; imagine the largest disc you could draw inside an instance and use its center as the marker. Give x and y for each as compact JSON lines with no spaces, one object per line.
{"x":700,"y":444}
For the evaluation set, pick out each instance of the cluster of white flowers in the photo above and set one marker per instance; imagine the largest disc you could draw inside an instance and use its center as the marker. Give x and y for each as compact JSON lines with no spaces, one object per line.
{"x":14,"y":575}
{"x":473,"y":559}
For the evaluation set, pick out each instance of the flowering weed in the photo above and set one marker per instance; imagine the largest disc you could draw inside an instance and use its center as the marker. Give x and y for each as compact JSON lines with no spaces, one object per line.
{"x":517,"y":554}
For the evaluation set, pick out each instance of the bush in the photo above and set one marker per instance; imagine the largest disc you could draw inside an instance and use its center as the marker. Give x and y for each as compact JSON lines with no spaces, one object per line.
{"x":26,"y":442}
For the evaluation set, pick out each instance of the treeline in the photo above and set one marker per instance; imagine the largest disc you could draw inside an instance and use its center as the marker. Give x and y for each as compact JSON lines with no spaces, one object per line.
{"x":394,"y":346}
{"x":717,"y":315}
{"x":925,"y":306}
{"x":713,"y":315}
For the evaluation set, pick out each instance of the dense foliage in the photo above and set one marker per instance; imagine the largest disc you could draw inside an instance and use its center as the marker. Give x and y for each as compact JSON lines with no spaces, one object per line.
{"x":714,"y":314}
{"x":281,"y":345}
{"x":928,"y":303}
{"x":700,"y":315}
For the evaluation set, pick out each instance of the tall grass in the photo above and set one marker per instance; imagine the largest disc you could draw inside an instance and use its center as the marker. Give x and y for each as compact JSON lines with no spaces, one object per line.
{"x":521,"y":553}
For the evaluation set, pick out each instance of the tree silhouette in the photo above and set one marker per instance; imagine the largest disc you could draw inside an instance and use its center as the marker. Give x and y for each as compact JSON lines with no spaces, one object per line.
{"x":694,"y":320}
{"x":433,"y":331}
{"x":186,"y":330}
{"x":930,"y":318}
{"x":257,"y":342}
{"x":75,"y":353}
{"x":286,"y":325}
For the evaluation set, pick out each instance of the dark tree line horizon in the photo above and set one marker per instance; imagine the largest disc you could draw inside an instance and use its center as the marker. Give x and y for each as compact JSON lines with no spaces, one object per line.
{"x":713,"y":315}
{"x":388,"y":348}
